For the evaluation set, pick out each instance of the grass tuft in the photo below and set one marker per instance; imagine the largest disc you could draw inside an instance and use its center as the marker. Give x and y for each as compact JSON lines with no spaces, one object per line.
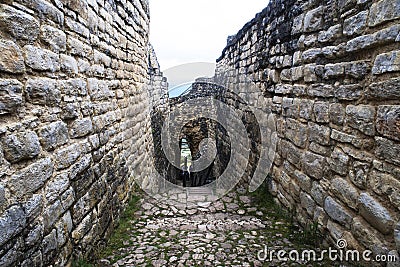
{"x":122,"y":231}
{"x":81,"y":263}
{"x":310,"y":235}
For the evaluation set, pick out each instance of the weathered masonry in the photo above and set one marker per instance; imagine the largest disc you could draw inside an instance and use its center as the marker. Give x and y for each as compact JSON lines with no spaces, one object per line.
{"x":82,"y":99}
{"x":74,"y":123}
{"x":330,"y":73}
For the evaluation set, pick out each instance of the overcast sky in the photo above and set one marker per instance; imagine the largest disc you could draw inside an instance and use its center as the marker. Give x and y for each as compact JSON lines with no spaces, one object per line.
{"x":185,"y":31}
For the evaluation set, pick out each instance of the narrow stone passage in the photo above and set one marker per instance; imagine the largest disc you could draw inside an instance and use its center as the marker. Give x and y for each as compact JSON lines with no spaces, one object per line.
{"x":227,"y":232}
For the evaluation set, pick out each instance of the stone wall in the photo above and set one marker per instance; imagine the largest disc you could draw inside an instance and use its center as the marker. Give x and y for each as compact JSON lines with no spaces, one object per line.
{"x":74,"y":123}
{"x":212,"y":110}
{"x":329,"y":71}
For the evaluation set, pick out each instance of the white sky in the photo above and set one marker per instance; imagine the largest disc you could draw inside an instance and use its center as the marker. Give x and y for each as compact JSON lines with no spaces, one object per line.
{"x":186,"y":31}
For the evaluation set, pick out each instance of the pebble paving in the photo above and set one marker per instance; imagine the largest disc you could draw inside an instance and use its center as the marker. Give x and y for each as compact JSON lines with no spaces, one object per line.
{"x":228,"y":232}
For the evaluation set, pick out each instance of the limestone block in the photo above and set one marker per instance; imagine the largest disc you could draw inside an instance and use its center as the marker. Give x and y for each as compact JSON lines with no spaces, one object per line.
{"x":76,"y":47}
{"x":361,"y":117}
{"x":77,"y":27}
{"x":49,"y":242}
{"x":12,"y":222}
{"x":98,"y":89}
{"x":337,"y":113}
{"x":35,"y":235}
{"x":337,"y":212}
{"x":320,"y":216}
{"x":357,"y":69}
{"x":22,"y":26}
{"x":70,"y":111}
{"x":298,"y":24}
{"x":335,"y":230}
{"x":331,"y":34}
{"x":375,"y":213}
{"x":296,"y":73}
{"x":311,"y":54}
{"x":296,"y":132}
{"x":339,"y":161}
{"x":387,"y":62}
{"x":349,"y":92}
{"x":358,"y":174}
{"x":10,"y":257}
{"x":11,"y":59}
{"x":68,"y":64}
{"x":333,"y":70}
{"x":320,"y":149}
{"x":283,"y":88}
{"x":43,"y":91}
{"x":293,"y":154}
{"x":368,"y":236}
{"x":387,"y":150}
{"x":286,"y":75}
{"x":313,"y":164}
{"x":384,"y":10}
{"x":51,"y":215}
{"x":296,"y":58}
{"x":45,"y":10}
{"x":55,"y":38}
{"x":53,"y":135}
{"x":80,"y":166}
{"x":307,"y":203}
{"x":318,"y":193}
{"x":360,"y":42}
{"x":319,"y":133}
{"x":83,"y":66}
{"x":41,"y":59}
{"x":321,"y":111}
{"x":68,"y":198}
{"x":81,"y":127}
{"x":388,"y":89}
{"x":10,"y":95}
{"x":333,"y":52}
{"x":33,"y":207}
{"x":321,"y":90}
{"x":306,"y":107}
{"x":355,"y":24}
{"x":65,"y":157}
{"x":385,"y":185}
{"x":56,"y":187}
{"x":31,"y":178}
{"x":387,"y":35}
{"x":83,"y":227}
{"x":313,"y":19}
{"x":20,"y":146}
{"x":79,"y":6}
{"x":303,"y":180}
{"x":73,"y":87}
{"x":388,"y":121}
{"x":345,"y":191}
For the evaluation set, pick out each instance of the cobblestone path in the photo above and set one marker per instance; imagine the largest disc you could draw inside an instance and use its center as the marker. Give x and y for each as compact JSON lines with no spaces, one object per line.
{"x":227,"y":232}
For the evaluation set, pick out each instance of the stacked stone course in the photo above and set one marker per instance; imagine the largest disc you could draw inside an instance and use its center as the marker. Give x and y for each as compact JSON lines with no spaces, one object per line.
{"x":329,"y":71}
{"x":74,"y":123}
